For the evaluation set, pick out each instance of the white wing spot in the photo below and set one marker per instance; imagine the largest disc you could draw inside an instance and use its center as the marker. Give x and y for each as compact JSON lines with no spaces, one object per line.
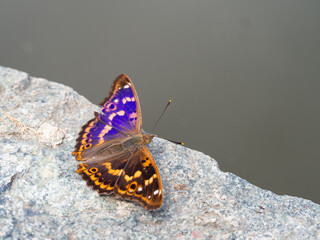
{"x":139,"y":189}
{"x":112,"y":115}
{"x":124,"y":101}
{"x":119,"y":88}
{"x":149,"y":197}
{"x":116,"y":100}
{"x":128,"y":99}
{"x":129,"y":84}
{"x":155,"y":192}
{"x":121,"y":113}
{"x":126,"y":86}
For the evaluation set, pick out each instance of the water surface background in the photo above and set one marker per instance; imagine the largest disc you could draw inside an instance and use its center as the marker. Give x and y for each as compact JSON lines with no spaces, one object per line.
{"x":244,"y":76}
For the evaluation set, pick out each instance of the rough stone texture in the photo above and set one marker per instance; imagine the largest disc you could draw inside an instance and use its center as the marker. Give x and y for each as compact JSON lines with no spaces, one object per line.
{"x":41,"y":196}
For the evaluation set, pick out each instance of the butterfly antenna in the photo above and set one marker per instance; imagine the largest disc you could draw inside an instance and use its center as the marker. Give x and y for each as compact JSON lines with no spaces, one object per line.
{"x":180,"y":143}
{"x":161,"y":115}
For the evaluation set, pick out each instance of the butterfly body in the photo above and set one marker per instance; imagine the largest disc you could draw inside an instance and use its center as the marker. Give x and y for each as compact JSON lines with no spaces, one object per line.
{"x":112,"y":151}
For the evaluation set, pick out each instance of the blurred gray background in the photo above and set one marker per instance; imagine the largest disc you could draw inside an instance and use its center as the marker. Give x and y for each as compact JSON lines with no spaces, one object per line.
{"x":244,"y":76}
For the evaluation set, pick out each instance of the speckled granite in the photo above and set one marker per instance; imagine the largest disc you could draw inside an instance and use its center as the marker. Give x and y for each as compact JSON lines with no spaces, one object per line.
{"x":41,"y":196}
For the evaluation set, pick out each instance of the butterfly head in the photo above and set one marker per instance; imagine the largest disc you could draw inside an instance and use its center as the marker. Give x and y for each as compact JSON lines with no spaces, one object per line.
{"x":147,"y":138}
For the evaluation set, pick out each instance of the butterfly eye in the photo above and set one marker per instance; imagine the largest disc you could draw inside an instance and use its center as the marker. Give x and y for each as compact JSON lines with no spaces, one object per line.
{"x":87,"y":146}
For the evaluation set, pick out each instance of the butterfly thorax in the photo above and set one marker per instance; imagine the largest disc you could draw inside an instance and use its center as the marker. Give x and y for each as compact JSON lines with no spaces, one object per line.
{"x":137,"y":141}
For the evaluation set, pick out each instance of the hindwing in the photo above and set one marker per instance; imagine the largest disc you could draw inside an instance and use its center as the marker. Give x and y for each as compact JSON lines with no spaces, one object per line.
{"x":140,"y":180}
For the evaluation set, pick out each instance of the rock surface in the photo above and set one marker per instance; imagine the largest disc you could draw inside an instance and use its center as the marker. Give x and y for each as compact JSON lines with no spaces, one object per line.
{"x":41,"y":196}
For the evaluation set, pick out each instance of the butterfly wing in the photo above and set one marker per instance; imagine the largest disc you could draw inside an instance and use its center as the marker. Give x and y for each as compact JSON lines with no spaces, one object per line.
{"x":140,"y":180}
{"x":122,"y":107}
{"x":120,"y":117}
{"x":103,"y":176}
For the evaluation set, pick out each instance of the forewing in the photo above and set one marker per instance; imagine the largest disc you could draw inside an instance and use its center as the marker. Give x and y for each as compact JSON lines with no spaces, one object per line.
{"x":121,"y":108}
{"x":93,"y":134}
{"x":140,"y":180}
{"x":120,"y":117}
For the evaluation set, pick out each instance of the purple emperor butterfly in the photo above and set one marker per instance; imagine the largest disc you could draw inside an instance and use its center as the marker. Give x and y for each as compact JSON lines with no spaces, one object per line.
{"x":112,"y":149}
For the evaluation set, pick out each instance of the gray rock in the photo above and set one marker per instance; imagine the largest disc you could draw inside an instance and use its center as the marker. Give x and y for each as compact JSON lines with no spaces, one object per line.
{"x":41,"y":196}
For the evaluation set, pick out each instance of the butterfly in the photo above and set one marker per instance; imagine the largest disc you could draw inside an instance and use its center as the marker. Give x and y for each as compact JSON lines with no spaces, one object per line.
{"x":111,"y":149}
